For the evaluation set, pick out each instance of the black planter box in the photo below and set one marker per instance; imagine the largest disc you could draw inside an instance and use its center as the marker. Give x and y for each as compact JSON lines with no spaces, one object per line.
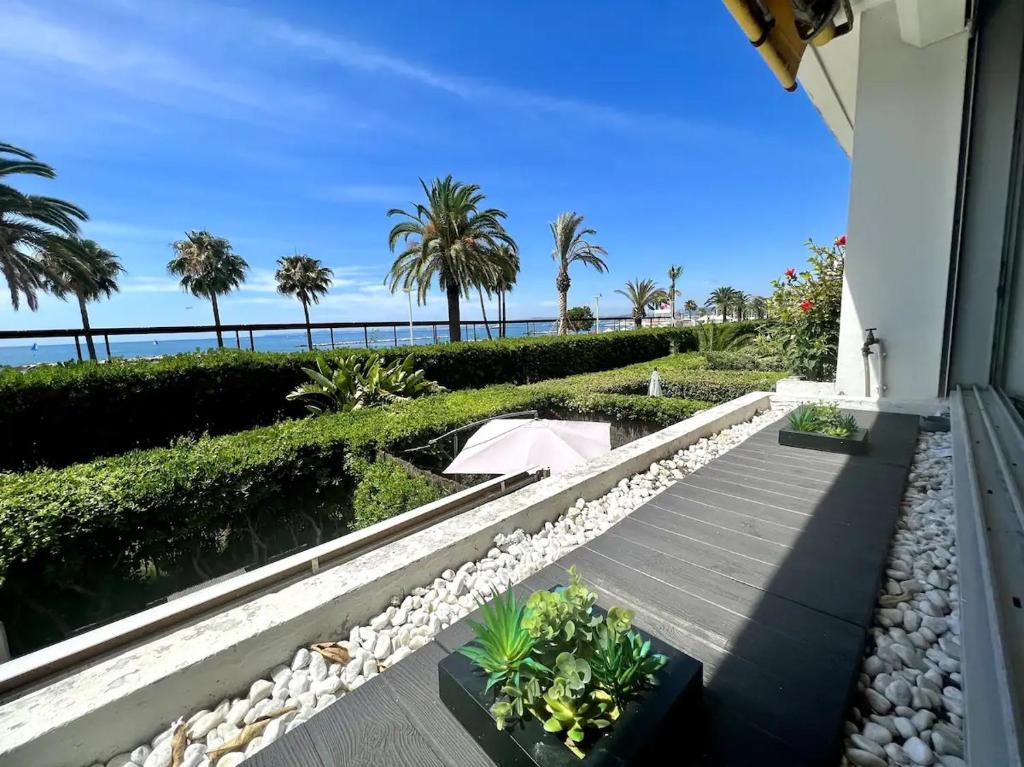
{"x":661,"y":719}
{"x":854,"y":445}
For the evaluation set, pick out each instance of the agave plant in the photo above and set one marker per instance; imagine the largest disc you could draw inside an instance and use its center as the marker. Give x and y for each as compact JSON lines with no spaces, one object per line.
{"x":622,"y":661}
{"x":503,"y":646}
{"x":354,"y":382}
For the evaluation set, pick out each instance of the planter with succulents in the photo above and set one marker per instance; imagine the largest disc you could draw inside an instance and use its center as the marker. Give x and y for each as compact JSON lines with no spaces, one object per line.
{"x":558,"y":681}
{"x":825,"y":428}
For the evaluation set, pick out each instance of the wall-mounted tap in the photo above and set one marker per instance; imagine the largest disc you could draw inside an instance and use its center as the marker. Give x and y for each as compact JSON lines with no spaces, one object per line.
{"x":871,"y":340}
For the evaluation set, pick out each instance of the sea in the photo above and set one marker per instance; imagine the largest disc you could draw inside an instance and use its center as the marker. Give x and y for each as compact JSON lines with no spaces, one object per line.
{"x":28,"y":353}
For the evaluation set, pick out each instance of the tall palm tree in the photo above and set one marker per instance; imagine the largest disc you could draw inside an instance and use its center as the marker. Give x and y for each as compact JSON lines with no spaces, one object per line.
{"x":674,"y":273}
{"x":505,"y":263}
{"x":305,"y":278}
{"x":690,"y":306}
{"x":507,"y":276}
{"x":741,"y":304}
{"x":32,"y":228}
{"x":642,"y":293}
{"x":208,"y":268}
{"x":571,"y":244}
{"x":451,"y":237}
{"x":722,"y":299}
{"x":759,"y":305}
{"x":95,"y":280}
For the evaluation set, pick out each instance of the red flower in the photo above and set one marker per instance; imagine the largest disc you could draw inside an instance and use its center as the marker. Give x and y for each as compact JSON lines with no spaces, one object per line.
{"x":841,"y":241}
{"x":790,"y":273}
{"x":806,"y":305}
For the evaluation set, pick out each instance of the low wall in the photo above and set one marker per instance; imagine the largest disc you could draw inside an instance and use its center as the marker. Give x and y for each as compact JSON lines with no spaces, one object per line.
{"x":114,"y":704}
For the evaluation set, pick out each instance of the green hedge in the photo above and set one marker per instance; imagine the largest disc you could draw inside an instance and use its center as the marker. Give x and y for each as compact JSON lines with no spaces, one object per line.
{"x":745,"y":360}
{"x":387,"y":488}
{"x":179,"y":515}
{"x":55,"y":416}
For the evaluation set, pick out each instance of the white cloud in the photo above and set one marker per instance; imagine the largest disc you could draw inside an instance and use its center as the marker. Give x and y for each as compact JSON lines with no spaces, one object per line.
{"x":143,"y":70}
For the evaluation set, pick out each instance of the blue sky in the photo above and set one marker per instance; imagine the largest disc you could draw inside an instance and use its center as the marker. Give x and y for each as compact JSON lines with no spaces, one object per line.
{"x":286,"y":126}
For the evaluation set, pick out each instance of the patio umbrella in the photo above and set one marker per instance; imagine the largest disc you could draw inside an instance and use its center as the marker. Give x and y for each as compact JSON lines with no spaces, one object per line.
{"x":654,"y":387}
{"x":506,"y":445}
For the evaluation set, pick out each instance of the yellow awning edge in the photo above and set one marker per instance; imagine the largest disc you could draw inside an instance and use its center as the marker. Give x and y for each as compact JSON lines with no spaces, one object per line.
{"x":771,"y":27}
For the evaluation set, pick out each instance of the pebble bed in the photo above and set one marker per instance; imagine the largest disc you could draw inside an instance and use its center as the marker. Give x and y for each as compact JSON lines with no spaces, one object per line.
{"x":308,"y":682}
{"x":909,"y":702}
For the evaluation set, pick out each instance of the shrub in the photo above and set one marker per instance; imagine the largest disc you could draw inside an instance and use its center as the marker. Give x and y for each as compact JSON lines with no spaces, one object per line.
{"x":580,"y":319}
{"x":748,"y":359}
{"x":386,"y":489}
{"x":804,"y":312}
{"x":57,"y":415}
{"x":726,"y":336}
{"x":351,"y":383}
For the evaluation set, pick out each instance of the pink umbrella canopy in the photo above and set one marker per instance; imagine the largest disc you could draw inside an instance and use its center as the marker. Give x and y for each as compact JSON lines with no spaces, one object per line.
{"x":507,"y":445}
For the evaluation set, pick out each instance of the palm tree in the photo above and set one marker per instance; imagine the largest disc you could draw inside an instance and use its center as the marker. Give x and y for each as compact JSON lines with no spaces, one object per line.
{"x":741,"y":304}
{"x":571,"y":245}
{"x":509,"y":260}
{"x":722,"y":299}
{"x":85,"y":270}
{"x":690,"y":306}
{"x":450,"y":237}
{"x":32,"y":228}
{"x":305,"y":278}
{"x":208,"y":268}
{"x":674,"y":273}
{"x":642,"y":293}
{"x":759,"y":305}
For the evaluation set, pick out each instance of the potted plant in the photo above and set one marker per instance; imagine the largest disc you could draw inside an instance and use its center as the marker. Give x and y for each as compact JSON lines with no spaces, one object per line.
{"x":826,"y":428}
{"x":557,"y":680}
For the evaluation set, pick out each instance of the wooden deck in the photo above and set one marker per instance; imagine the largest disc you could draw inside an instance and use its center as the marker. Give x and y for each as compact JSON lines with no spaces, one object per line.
{"x":764,"y":565}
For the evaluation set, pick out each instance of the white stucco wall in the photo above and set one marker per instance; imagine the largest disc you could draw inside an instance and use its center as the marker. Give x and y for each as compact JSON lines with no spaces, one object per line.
{"x":905,"y":157}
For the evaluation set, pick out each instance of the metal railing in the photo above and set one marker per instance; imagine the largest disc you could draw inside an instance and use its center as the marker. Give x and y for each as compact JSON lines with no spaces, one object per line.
{"x":401,"y":333}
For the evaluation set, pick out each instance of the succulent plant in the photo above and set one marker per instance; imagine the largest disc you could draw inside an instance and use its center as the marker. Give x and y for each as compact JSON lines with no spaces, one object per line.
{"x":823,"y":419}
{"x":502,"y":646}
{"x":575,"y":713}
{"x":556,"y":660}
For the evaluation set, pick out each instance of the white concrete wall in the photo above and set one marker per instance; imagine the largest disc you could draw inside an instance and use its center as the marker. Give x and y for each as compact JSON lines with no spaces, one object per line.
{"x":905,"y":156}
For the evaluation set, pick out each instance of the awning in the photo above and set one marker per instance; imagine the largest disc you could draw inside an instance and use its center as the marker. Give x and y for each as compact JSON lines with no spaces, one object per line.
{"x":782,"y":29}
{"x":506,"y":445}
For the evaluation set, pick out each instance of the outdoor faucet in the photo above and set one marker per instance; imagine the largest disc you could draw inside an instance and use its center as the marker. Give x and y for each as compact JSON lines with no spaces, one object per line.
{"x":869,"y":341}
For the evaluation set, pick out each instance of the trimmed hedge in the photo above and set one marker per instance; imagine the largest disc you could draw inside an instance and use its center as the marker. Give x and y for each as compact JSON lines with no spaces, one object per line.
{"x":154,"y":497}
{"x":146,"y":523}
{"x":745,"y":360}
{"x":386,"y":489}
{"x":59,"y":415}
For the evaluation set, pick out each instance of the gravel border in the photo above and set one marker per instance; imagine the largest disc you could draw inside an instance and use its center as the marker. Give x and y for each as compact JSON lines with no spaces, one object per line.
{"x":909,"y":703}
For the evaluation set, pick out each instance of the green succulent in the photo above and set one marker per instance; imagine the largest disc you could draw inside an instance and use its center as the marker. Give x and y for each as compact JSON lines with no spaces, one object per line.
{"x":555,"y":660}
{"x":823,"y":419}
{"x":804,"y":418}
{"x":622,"y":663}
{"x":502,"y":646}
{"x":563,"y":615}
{"x":574,"y":714}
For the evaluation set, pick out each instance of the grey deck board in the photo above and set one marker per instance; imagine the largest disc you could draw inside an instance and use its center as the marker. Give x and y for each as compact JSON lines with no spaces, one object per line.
{"x":764,"y":565}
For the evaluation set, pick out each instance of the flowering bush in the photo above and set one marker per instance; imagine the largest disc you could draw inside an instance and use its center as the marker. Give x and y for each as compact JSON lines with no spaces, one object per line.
{"x":804,"y":312}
